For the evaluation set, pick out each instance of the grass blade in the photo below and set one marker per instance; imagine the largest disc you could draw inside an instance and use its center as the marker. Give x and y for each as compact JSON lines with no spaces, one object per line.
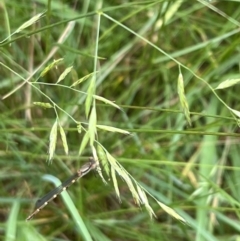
{"x":11,"y":225}
{"x":64,"y":139}
{"x":53,"y":140}
{"x":64,"y":74}
{"x":227,"y":83}
{"x":183,"y":99}
{"x":83,"y":143}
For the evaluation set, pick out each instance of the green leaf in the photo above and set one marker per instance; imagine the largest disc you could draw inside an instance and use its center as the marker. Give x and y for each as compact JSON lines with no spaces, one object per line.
{"x":144,"y":200}
{"x":150,"y":210}
{"x":99,"y":171}
{"x":84,"y":143}
{"x":30,"y":22}
{"x":115,"y":168}
{"x":131,"y":187}
{"x":97,"y":97}
{"x":90,"y":92}
{"x":83,"y":79}
{"x":64,"y":139}
{"x":124,"y":175}
{"x":64,"y":74}
{"x":79,"y":127}
{"x":53,"y":140}
{"x":98,"y":167}
{"x":113,"y":162}
{"x":50,"y":66}
{"x":183,"y":99}
{"x":113,"y":129}
{"x":227,"y":83}
{"x":142,"y":195}
{"x":43,"y":104}
{"x":74,"y":75}
{"x":115,"y":183}
{"x":171,"y":212}
{"x":92,"y":125}
{"x":11,"y":226}
{"x":103,"y":159}
{"x":235,"y":112}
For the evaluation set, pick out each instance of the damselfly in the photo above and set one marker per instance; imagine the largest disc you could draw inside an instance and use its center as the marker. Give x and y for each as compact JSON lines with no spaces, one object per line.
{"x":41,"y":203}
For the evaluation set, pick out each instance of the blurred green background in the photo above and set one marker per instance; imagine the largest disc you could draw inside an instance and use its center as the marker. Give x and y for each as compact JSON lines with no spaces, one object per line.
{"x":141,"y":49}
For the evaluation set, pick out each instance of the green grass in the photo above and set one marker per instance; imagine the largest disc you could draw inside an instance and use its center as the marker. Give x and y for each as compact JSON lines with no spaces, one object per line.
{"x":133,"y":53}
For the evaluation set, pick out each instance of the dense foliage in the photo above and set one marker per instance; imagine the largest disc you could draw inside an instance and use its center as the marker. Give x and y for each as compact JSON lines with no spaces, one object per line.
{"x":78,"y":76}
